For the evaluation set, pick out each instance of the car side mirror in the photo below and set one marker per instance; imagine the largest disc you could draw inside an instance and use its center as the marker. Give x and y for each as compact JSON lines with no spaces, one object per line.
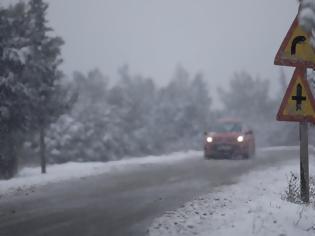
{"x":205,"y":133}
{"x":249,"y":132}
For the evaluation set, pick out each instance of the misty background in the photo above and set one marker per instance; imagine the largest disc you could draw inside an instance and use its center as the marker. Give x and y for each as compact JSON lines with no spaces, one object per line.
{"x":217,"y":38}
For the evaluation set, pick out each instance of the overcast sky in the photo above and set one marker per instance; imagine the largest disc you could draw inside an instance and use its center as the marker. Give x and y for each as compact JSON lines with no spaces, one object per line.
{"x":153,"y":36}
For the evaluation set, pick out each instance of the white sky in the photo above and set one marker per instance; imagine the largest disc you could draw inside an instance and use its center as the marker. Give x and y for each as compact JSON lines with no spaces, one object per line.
{"x":153,"y":36}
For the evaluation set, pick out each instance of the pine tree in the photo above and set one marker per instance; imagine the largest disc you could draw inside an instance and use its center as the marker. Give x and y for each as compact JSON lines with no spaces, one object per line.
{"x":14,"y":94}
{"x":307,"y":18}
{"x":42,"y":74}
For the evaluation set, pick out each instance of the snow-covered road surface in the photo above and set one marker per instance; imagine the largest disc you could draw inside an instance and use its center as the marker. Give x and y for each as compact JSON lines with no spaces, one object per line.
{"x":122,"y":201}
{"x":30,"y":177}
{"x":254,"y":206}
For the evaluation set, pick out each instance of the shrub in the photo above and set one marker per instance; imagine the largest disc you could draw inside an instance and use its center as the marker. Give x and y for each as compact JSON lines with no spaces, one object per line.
{"x":293,"y":192}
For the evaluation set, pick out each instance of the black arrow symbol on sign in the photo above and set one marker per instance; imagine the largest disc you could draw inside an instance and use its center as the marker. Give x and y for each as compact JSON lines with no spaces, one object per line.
{"x":295,"y":42}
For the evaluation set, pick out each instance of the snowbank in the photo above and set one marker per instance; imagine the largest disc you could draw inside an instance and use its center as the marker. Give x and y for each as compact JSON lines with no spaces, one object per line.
{"x":251,"y":207}
{"x":31,"y":177}
{"x":280,"y":148}
{"x":286,"y":148}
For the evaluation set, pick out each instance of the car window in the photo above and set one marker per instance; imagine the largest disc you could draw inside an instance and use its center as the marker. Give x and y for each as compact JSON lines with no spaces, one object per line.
{"x":228,"y":127}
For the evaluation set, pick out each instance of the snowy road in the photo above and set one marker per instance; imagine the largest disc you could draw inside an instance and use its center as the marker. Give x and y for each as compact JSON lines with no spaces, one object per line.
{"x":123,"y":202}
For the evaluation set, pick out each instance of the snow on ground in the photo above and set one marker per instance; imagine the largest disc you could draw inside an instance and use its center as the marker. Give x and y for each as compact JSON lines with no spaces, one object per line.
{"x":30,"y":177}
{"x":311,"y":148}
{"x":282,"y":148}
{"x":254,"y":206}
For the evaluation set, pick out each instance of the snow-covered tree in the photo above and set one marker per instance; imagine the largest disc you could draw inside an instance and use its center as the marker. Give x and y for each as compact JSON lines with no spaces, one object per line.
{"x":307,"y":17}
{"x":135,"y":102}
{"x":247,"y":97}
{"x":42,"y":73}
{"x":14,"y":94}
{"x":181,"y":112}
{"x":79,"y":134}
{"x":130,"y":118}
{"x":31,"y":92}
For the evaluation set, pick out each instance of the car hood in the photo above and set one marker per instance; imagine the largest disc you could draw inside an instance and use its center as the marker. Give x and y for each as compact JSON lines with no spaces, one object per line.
{"x":225,"y":137}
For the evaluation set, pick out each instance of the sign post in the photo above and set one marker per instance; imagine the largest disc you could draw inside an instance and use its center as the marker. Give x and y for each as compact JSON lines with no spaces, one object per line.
{"x":304,"y":168}
{"x":298,"y":103}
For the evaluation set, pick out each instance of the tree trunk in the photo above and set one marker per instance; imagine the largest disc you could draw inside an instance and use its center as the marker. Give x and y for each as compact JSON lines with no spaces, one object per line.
{"x":42,"y":147}
{"x":9,"y":157}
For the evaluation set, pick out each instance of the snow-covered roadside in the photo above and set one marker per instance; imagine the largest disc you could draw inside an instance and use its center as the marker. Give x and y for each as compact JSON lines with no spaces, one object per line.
{"x":28,"y":178}
{"x":251,"y":207}
{"x":280,"y":148}
{"x":286,"y":148}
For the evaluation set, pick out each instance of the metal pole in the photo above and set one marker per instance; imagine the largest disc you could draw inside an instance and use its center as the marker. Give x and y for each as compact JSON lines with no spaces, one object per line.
{"x":304,"y":168}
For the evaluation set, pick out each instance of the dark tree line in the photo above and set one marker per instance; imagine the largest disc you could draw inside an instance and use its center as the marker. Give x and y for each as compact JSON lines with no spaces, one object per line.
{"x":30,"y":81}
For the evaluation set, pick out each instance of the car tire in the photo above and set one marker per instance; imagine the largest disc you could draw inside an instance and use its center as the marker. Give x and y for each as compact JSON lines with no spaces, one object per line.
{"x":207,"y":156}
{"x":246,"y":155}
{"x":250,"y":154}
{"x":254,"y":152}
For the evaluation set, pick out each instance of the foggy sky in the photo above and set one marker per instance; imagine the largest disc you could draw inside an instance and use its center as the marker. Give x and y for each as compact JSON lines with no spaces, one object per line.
{"x":153,"y":36}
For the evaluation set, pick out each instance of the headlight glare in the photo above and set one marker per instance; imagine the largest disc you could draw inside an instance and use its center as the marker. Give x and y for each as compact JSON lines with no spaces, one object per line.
{"x":240,"y":139}
{"x":209,"y":139}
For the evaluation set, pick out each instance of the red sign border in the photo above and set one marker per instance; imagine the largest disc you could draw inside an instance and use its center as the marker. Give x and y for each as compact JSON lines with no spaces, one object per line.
{"x":290,"y":62}
{"x":299,"y":71}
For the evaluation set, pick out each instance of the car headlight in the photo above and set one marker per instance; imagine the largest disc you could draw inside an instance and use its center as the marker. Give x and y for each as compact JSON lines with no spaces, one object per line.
{"x":240,"y":139}
{"x":209,"y":139}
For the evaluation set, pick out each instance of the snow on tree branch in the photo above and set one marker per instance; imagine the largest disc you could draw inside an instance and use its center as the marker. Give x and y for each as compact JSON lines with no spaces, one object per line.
{"x":307,"y":18}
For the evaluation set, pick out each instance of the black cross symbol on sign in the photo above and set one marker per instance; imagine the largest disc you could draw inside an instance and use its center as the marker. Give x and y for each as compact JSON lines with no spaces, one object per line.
{"x":298,"y":98}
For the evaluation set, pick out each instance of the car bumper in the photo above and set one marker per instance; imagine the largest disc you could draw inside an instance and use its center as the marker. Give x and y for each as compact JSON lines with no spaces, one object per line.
{"x":225,"y":149}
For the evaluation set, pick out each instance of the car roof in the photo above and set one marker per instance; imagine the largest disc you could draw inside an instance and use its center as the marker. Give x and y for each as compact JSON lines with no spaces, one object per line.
{"x":229,"y":120}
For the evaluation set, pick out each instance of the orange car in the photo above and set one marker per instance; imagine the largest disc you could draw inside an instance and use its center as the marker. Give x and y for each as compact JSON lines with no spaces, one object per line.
{"x":229,"y":138}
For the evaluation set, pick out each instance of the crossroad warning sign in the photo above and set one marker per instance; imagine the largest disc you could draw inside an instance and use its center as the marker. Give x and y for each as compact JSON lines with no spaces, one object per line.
{"x":298,"y":103}
{"x":296,"y":49}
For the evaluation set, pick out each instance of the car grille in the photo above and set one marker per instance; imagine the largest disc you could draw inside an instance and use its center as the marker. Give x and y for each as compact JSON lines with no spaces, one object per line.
{"x":224,"y":140}
{"x":226,"y":149}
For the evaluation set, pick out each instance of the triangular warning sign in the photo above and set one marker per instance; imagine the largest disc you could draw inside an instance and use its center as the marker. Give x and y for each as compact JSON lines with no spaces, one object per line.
{"x":296,"y":49}
{"x":298,"y":103}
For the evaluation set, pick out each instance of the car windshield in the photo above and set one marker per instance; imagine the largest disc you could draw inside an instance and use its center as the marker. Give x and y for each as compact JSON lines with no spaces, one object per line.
{"x":228,"y":127}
